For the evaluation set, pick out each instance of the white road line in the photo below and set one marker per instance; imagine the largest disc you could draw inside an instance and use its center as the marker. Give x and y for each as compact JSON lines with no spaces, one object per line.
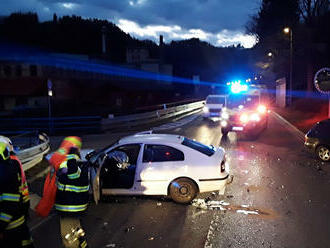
{"x":299,"y":134}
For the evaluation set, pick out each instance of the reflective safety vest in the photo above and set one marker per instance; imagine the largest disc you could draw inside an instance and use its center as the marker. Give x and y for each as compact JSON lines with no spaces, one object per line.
{"x":72,"y":186}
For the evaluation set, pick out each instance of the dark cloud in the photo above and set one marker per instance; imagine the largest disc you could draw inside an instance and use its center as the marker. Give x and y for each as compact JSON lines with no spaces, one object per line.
{"x":209,"y":15}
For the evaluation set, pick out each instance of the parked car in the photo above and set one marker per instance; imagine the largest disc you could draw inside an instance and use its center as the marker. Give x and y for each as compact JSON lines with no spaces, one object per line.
{"x":213,"y":106}
{"x":160,"y":164}
{"x":317,"y":140}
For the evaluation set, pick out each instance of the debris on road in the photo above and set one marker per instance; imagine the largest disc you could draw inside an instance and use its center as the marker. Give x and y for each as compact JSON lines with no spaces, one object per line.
{"x":110,"y":245}
{"x":225,"y":206}
{"x":159,"y":204}
{"x":105,"y":223}
{"x":151,"y":238}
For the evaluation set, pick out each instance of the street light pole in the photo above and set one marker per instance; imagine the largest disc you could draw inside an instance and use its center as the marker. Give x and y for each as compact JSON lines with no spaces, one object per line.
{"x":288,"y":30}
{"x":291,"y":66}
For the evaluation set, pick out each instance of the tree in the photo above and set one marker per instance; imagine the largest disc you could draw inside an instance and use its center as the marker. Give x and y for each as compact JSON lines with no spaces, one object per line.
{"x":272,"y":17}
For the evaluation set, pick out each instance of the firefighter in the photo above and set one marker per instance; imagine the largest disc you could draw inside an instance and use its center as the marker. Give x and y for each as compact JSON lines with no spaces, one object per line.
{"x":72,"y":198}
{"x":24,"y":190}
{"x":13,"y":228}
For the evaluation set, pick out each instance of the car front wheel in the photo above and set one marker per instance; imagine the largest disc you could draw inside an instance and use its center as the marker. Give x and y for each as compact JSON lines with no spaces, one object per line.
{"x":183,"y":190}
{"x":323,"y":153}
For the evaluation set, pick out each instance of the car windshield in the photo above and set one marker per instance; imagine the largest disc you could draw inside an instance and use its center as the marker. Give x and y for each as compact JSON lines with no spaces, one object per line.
{"x":207,"y":150}
{"x":246,"y":100}
{"x":215,"y":100}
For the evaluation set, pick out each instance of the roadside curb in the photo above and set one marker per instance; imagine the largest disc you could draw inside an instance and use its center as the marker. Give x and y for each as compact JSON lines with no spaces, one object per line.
{"x":299,"y":134}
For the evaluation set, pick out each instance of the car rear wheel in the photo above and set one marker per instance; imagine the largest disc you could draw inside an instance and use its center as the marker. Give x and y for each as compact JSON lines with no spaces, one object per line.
{"x":323,"y":153}
{"x":183,"y":190}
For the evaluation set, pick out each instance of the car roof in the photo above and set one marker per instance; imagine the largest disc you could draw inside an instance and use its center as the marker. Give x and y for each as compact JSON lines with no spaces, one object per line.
{"x":152,"y":138}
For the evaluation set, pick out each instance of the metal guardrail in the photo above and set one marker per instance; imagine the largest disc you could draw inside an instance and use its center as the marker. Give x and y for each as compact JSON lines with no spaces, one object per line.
{"x":150,"y":117}
{"x":31,"y":150}
{"x":34,"y":153}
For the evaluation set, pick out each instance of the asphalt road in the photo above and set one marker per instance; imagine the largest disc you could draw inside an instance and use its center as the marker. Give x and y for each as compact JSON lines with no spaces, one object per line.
{"x":280,"y":197}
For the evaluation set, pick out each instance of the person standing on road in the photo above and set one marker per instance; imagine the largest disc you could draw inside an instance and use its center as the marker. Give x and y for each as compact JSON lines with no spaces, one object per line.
{"x":14,"y":231}
{"x":24,"y":190}
{"x":72,"y":198}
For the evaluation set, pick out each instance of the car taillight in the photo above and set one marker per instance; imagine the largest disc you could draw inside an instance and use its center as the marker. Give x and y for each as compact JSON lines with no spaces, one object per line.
{"x":223,"y":164}
{"x":262,"y":109}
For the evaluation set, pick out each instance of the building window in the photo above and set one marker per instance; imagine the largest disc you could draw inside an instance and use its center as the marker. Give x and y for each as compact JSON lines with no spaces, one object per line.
{"x":33,"y":70}
{"x":18,"y":71}
{"x":7,"y":70}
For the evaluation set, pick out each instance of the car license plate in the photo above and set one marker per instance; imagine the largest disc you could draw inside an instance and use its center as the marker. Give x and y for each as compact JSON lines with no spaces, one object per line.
{"x":214,"y":114}
{"x":238,"y":128}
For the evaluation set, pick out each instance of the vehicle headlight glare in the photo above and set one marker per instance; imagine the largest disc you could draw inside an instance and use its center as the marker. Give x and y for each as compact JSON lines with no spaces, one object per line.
{"x":224,"y":123}
{"x":255,"y":117}
{"x":205,"y":109}
{"x":224,"y":115}
{"x":262,"y":109}
{"x":244,"y":118}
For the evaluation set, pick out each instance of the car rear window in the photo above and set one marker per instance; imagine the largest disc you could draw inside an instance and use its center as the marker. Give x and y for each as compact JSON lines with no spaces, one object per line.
{"x":207,"y":150}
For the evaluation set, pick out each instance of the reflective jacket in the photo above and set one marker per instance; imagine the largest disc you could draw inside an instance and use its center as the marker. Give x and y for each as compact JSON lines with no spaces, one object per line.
{"x":72,"y":186}
{"x":11,"y":200}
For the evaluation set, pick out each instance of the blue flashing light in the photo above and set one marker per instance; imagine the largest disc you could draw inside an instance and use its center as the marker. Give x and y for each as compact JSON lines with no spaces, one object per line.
{"x":236,"y":87}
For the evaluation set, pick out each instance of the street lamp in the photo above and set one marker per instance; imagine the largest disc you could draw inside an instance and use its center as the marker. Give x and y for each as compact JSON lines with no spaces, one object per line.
{"x":288,"y":31}
{"x":270,"y":54}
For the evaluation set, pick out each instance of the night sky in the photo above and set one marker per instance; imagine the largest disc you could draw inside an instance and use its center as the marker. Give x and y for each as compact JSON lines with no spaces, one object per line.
{"x":220,"y":22}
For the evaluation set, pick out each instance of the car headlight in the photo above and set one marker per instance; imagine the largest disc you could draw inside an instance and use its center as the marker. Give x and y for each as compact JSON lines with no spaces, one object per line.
{"x":262,"y":109}
{"x":205,"y":109}
{"x":224,"y":115}
{"x":244,"y":118}
{"x":255,"y":117}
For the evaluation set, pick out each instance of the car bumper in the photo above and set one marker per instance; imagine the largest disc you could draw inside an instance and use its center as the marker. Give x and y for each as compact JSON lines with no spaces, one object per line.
{"x":214,"y":184}
{"x":310,"y":147}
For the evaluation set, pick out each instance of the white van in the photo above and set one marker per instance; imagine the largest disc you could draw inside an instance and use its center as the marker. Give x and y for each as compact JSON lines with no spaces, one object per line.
{"x":214,"y":105}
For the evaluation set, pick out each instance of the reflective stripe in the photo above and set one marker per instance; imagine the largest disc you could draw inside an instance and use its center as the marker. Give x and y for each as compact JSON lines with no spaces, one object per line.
{"x":72,"y":156}
{"x":64,"y":165}
{"x":83,"y":244}
{"x":71,"y":208}
{"x":72,"y":188}
{"x":26,"y":198}
{"x":27,"y":242}
{"x":15,"y":223}
{"x":5,"y":217}
{"x":9,"y":197}
{"x":75,"y":175}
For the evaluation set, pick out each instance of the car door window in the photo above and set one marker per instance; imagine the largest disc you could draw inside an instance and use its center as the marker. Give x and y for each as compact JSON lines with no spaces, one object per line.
{"x":114,"y":177}
{"x":161,"y":153}
{"x":132,"y":151}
